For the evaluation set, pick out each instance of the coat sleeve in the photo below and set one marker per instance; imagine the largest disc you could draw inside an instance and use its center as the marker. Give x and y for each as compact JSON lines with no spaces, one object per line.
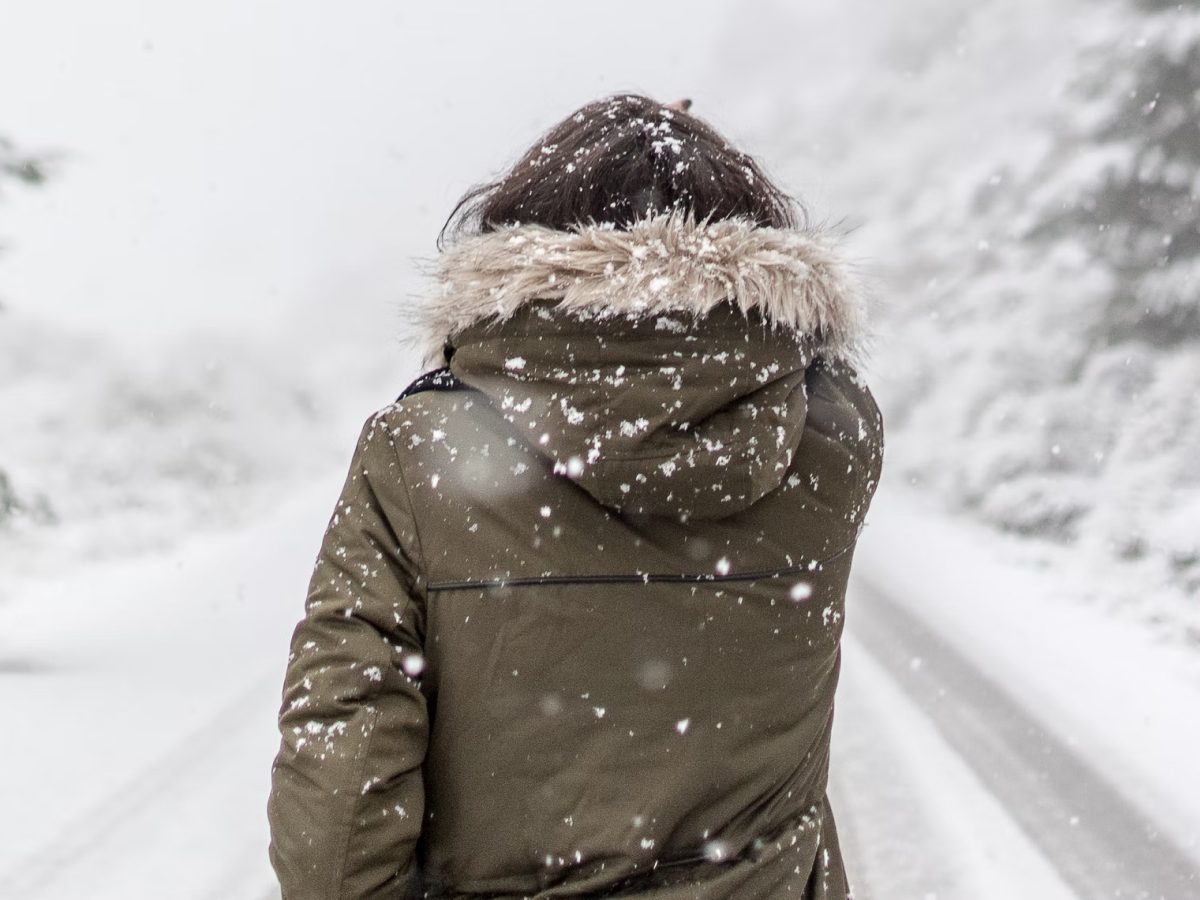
{"x":347,"y":799}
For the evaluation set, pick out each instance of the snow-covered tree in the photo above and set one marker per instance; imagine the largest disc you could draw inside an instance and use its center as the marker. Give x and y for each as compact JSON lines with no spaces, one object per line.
{"x":22,"y":168}
{"x":1107,"y":231}
{"x":1047,"y":301}
{"x":18,"y":166}
{"x":1131,"y":190}
{"x":30,"y":170}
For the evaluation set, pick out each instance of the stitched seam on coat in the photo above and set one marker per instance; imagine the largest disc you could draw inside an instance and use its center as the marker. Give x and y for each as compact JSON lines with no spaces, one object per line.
{"x":732,"y":447}
{"x":360,"y":764}
{"x":422,"y":568}
{"x":646,"y":578}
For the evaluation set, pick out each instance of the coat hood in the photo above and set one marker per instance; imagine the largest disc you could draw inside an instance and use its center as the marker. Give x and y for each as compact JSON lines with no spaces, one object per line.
{"x":661,"y":368}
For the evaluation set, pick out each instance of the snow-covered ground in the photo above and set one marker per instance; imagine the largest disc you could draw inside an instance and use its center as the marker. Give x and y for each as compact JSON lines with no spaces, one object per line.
{"x":914,"y":819}
{"x":1073,"y":721}
{"x":1118,"y":695}
{"x":201,"y":309}
{"x":141,"y":697}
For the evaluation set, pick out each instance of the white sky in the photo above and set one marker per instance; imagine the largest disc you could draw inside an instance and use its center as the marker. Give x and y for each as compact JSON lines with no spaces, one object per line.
{"x":233,"y":163}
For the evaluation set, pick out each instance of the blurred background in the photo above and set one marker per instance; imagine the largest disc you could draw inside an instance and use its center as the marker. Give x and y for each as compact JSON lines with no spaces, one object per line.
{"x":215,"y":220}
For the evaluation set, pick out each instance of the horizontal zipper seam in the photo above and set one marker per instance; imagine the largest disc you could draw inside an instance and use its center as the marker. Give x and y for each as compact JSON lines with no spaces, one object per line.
{"x":647,"y":578}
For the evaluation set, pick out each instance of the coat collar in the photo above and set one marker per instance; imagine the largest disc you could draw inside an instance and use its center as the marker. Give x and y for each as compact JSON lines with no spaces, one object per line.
{"x":795,"y":279}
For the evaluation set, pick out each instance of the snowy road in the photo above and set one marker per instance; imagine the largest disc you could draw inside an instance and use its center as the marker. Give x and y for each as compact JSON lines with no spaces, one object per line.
{"x":144,"y":696}
{"x":181,"y":822}
{"x":144,"y":706}
{"x":1093,"y":842}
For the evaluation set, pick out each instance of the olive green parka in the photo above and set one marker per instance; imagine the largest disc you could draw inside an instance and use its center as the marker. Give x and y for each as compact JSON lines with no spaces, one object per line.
{"x":574,"y":627}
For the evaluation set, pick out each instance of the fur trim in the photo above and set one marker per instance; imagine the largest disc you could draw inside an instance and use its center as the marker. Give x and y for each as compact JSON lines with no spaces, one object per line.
{"x":795,"y":279}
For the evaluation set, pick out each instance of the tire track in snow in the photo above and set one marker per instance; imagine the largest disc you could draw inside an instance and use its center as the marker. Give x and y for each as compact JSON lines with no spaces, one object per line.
{"x":901,"y":796}
{"x":1099,"y":842}
{"x":190,"y":768}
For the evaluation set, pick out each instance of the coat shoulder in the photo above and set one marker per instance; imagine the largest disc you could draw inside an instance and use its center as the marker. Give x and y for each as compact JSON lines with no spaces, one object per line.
{"x":425,"y":409}
{"x":437,"y":380}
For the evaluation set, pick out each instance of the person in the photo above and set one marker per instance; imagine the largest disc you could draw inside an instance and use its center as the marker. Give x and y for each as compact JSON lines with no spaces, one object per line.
{"x":574,"y":626}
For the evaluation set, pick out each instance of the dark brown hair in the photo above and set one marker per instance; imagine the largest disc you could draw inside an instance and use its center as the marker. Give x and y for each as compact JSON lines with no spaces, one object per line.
{"x":619,"y":160}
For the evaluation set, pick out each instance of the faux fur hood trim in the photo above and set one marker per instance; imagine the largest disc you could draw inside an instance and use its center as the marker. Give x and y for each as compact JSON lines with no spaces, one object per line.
{"x":795,"y":279}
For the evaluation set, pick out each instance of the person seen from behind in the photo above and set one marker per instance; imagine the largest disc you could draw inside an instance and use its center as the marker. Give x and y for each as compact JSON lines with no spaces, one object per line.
{"x":574,"y":627}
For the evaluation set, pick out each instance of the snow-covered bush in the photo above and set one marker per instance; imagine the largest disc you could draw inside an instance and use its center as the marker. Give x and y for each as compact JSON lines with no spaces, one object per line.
{"x":126,"y":453}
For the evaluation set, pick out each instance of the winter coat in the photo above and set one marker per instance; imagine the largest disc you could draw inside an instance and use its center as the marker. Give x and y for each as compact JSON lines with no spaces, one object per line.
{"x":574,"y":627}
